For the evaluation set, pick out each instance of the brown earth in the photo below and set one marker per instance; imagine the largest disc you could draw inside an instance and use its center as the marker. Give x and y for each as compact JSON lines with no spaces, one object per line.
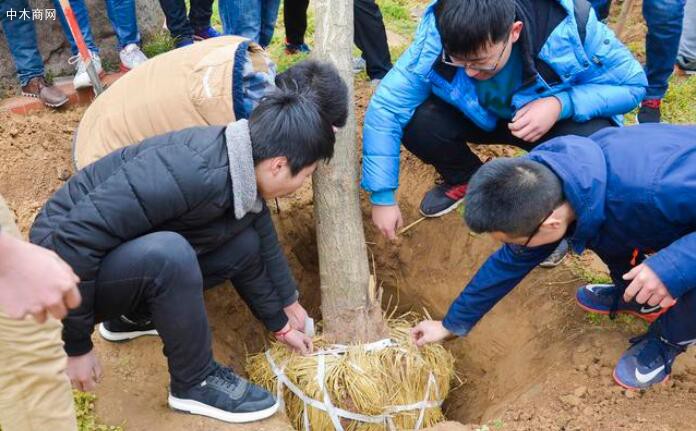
{"x":533,"y":363}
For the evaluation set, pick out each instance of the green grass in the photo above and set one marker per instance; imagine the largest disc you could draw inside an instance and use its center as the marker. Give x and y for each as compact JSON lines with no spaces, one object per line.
{"x":158,"y":43}
{"x":86,"y":419}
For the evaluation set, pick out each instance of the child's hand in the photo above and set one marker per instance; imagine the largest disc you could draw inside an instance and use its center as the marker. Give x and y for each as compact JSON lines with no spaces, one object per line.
{"x":429,"y":331}
{"x":297,"y":316}
{"x":647,"y":287}
{"x":387,"y":218}
{"x":296,"y":340}
{"x":535,"y":119}
{"x":84,"y":371}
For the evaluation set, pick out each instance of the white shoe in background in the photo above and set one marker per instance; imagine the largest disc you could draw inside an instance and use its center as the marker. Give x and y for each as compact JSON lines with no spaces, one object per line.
{"x":81,"y":79}
{"x":131,"y":56}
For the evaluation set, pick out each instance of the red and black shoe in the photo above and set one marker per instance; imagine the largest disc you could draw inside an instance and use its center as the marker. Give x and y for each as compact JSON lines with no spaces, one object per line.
{"x":649,"y":111}
{"x":442,"y":199}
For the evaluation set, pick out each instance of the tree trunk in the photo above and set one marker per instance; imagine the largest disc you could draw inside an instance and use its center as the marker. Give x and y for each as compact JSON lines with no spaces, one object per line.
{"x":350,"y":307}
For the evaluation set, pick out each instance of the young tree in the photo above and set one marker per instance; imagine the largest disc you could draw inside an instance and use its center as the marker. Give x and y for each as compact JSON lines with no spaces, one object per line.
{"x":350,"y":307}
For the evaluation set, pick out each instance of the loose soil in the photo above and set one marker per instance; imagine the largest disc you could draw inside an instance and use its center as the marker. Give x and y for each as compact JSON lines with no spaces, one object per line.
{"x":533,"y":363}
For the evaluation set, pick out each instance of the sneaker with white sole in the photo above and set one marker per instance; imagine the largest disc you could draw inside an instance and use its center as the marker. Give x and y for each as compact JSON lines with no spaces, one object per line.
{"x":225,"y":396}
{"x":557,"y":256}
{"x":124,"y":329}
{"x":648,"y":362}
{"x":81,"y":79}
{"x":131,"y":56}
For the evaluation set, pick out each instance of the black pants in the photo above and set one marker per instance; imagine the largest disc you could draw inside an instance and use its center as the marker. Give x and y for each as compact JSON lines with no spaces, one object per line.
{"x":161,"y":275}
{"x":370,"y":34}
{"x":438,"y":132}
{"x":182,"y":27}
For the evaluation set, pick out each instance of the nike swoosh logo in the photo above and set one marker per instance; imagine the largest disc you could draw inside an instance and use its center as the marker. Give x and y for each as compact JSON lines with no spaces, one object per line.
{"x":645,"y":378}
{"x":649,"y":310}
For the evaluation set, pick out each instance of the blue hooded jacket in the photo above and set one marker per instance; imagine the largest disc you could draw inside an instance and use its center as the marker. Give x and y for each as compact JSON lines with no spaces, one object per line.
{"x":631,"y":188}
{"x":598,"y":78}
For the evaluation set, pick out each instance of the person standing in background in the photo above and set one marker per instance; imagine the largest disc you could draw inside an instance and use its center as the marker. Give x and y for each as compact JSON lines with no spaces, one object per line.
{"x":370,"y":35}
{"x":686,"y":58}
{"x":24,"y":48}
{"x":253,"y":19}
{"x":185,"y":29}
{"x":664,"y":19}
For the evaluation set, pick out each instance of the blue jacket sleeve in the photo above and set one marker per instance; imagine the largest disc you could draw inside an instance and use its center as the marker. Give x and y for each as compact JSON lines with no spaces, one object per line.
{"x":674,"y":196}
{"x":495,"y":279}
{"x":676,"y":265}
{"x":404,"y":88}
{"x":620,"y":84}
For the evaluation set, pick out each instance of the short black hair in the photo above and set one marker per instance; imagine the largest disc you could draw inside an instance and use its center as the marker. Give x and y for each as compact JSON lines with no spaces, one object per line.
{"x":511,"y":195}
{"x":326,"y":84}
{"x":468,"y":26}
{"x":288,"y":124}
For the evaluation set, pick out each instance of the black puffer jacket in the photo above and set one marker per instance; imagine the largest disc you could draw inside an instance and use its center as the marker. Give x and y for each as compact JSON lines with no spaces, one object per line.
{"x":177,"y":182}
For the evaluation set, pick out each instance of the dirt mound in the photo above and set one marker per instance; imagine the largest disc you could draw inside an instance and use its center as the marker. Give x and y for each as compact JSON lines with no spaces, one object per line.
{"x":534,"y":363}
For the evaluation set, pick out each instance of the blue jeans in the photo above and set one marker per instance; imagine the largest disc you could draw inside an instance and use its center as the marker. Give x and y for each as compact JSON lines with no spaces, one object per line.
{"x":121,"y":14}
{"x":254,"y":19}
{"x":664,"y":19}
{"x":21,"y":38}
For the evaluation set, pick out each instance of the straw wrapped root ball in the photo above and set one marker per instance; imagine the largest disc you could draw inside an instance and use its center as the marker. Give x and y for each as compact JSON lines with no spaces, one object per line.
{"x":385,"y":385}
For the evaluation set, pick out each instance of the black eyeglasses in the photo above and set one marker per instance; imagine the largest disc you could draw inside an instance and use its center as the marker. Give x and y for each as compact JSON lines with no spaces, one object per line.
{"x":536,"y":231}
{"x":446,"y":59}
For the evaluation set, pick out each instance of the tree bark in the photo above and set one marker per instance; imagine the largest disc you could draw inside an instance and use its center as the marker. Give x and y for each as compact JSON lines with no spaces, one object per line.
{"x":350,"y":305}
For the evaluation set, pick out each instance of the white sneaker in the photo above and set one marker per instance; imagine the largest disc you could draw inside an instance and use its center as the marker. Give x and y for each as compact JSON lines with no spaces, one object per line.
{"x":81,"y":79}
{"x":131,"y":56}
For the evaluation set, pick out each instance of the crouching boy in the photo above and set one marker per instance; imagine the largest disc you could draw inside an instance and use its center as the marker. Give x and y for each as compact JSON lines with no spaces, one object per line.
{"x":637,"y":212}
{"x":150,"y":226}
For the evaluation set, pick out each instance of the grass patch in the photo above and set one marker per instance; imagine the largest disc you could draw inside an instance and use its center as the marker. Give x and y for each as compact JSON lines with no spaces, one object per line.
{"x":678,"y":105}
{"x":86,"y":418}
{"x":158,"y":43}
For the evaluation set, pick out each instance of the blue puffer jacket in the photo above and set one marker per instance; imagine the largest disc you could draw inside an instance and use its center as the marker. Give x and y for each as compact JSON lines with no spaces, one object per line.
{"x":632,"y":188}
{"x":600,"y":78}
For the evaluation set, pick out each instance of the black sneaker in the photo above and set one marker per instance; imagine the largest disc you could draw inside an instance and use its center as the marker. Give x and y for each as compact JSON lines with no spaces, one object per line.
{"x":124,"y":329}
{"x":557,"y":256}
{"x":649,"y":111}
{"x":225,"y":396}
{"x":688,"y":67}
{"x":442,"y":199}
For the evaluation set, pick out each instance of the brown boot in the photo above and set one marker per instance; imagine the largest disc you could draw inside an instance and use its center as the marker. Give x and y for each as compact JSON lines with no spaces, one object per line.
{"x":48,"y":94}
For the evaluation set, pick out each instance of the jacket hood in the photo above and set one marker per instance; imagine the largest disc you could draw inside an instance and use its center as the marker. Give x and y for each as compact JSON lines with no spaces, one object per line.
{"x":580,"y":164}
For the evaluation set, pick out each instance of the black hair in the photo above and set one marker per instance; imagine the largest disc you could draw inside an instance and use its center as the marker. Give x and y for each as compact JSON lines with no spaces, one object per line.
{"x":327,"y":86}
{"x":468,"y":26}
{"x":288,"y":124}
{"x":511,"y":195}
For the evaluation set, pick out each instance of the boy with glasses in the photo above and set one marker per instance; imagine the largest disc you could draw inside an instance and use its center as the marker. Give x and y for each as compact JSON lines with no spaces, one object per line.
{"x":515,"y":72}
{"x":637,"y":213}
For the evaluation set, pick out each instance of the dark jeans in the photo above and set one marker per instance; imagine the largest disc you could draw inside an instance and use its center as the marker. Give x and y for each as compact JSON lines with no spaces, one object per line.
{"x":182,"y":27}
{"x":664,"y":19}
{"x":295,"y":20}
{"x":370,"y":34}
{"x":160,"y":274}
{"x":438,"y":132}
{"x":678,"y":325}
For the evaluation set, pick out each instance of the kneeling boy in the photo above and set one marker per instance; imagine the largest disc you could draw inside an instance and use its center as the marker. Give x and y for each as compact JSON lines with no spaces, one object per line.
{"x":150,"y":226}
{"x":628,"y":194}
